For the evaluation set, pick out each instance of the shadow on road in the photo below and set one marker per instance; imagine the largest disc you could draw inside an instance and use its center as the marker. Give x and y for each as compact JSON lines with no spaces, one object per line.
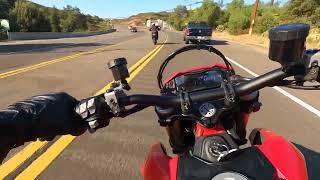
{"x":218,"y":42}
{"x":313,"y":161}
{"x":167,"y":43}
{"x":212,"y":42}
{"x":32,"y":48}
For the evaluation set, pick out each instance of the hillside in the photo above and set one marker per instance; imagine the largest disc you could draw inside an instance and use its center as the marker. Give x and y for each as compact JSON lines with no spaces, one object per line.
{"x":141,"y":18}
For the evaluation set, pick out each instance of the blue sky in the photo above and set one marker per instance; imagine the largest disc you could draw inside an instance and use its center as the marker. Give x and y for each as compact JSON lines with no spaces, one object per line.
{"x":120,"y":8}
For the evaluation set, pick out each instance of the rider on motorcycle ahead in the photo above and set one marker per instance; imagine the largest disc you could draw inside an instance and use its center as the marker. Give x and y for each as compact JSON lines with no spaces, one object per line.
{"x":154,"y":28}
{"x":154,"y":32}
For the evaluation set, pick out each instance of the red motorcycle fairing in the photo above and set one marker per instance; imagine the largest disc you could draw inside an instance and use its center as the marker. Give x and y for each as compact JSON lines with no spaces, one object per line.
{"x":285,"y":161}
{"x":201,"y":131}
{"x":270,"y":157}
{"x":288,"y":160}
{"x":158,"y":165}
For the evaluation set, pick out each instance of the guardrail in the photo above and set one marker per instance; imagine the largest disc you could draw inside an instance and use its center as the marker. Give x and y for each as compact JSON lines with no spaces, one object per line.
{"x":53,"y":35}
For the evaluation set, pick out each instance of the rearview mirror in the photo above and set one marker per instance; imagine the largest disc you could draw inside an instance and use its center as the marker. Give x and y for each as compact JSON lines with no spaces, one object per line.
{"x":120,"y":72}
{"x":119,"y":69}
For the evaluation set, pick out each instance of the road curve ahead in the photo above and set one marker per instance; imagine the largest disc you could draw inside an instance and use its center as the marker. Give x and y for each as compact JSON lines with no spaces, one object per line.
{"x":117,"y":152}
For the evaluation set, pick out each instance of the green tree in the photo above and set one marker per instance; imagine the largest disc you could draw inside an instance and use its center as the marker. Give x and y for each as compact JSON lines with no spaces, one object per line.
{"x":238,"y":23}
{"x":178,"y":17}
{"x":268,"y":17}
{"x":266,"y":22}
{"x":69,"y":19}
{"x":29,"y":17}
{"x":94,"y":22}
{"x":306,"y":11}
{"x":181,"y":11}
{"x":224,"y":18}
{"x":209,"y":12}
{"x":239,"y":16}
{"x":42,"y":23}
{"x":176,"y":22}
{"x":82,"y":25}
{"x":11,"y":3}
{"x":4,"y":9}
{"x":234,"y":5}
{"x":73,"y":20}
{"x":55,"y":20}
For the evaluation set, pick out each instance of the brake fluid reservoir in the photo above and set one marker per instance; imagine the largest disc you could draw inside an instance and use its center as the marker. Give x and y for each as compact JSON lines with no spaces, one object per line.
{"x":287,"y":43}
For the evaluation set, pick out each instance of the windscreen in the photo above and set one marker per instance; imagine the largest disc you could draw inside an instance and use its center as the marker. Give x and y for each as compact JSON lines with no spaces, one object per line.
{"x":190,"y":60}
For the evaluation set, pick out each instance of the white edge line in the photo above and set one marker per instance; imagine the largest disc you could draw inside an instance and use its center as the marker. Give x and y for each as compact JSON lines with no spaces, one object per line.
{"x":283,"y":92}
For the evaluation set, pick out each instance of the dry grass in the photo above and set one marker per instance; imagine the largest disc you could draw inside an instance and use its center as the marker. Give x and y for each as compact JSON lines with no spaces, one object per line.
{"x":313,"y":40}
{"x":136,"y":22}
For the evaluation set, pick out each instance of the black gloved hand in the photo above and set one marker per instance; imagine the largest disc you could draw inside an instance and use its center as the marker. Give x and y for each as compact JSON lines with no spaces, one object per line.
{"x":95,"y":112}
{"x":44,"y":116}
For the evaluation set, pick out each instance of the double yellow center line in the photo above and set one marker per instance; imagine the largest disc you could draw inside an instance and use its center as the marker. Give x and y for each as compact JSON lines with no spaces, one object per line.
{"x":54,"y":61}
{"x":44,"y":160}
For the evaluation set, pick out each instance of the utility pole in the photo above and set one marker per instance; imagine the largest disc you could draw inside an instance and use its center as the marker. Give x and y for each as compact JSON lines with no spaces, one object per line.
{"x":253,"y":17}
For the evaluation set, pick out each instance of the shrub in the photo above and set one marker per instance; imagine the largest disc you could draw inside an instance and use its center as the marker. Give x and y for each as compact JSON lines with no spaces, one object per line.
{"x":238,"y":23}
{"x":175,"y":22}
{"x":265,"y":22}
{"x":220,"y":28}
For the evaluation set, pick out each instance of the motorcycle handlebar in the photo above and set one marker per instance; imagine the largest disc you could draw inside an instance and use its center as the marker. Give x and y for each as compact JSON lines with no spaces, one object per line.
{"x":268,"y":79}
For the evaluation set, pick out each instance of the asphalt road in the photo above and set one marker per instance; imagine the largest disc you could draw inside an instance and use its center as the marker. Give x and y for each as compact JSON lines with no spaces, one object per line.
{"x":118,"y":151}
{"x":24,"y":53}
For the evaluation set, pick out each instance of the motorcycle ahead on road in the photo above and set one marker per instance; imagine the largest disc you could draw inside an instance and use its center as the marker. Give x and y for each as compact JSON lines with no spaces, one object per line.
{"x":155,"y":37}
{"x":154,"y":34}
{"x":206,"y":109}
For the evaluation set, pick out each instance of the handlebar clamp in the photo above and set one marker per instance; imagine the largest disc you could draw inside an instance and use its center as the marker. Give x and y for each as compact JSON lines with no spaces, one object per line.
{"x":230,"y":94}
{"x":185,"y":102}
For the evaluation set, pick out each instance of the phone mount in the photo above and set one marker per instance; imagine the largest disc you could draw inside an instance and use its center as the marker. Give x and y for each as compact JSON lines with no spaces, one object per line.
{"x":120,"y":73}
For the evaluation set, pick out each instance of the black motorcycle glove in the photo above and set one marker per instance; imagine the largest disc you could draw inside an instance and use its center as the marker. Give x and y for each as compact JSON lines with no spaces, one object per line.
{"x":44,"y":117}
{"x":95,"y":112}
